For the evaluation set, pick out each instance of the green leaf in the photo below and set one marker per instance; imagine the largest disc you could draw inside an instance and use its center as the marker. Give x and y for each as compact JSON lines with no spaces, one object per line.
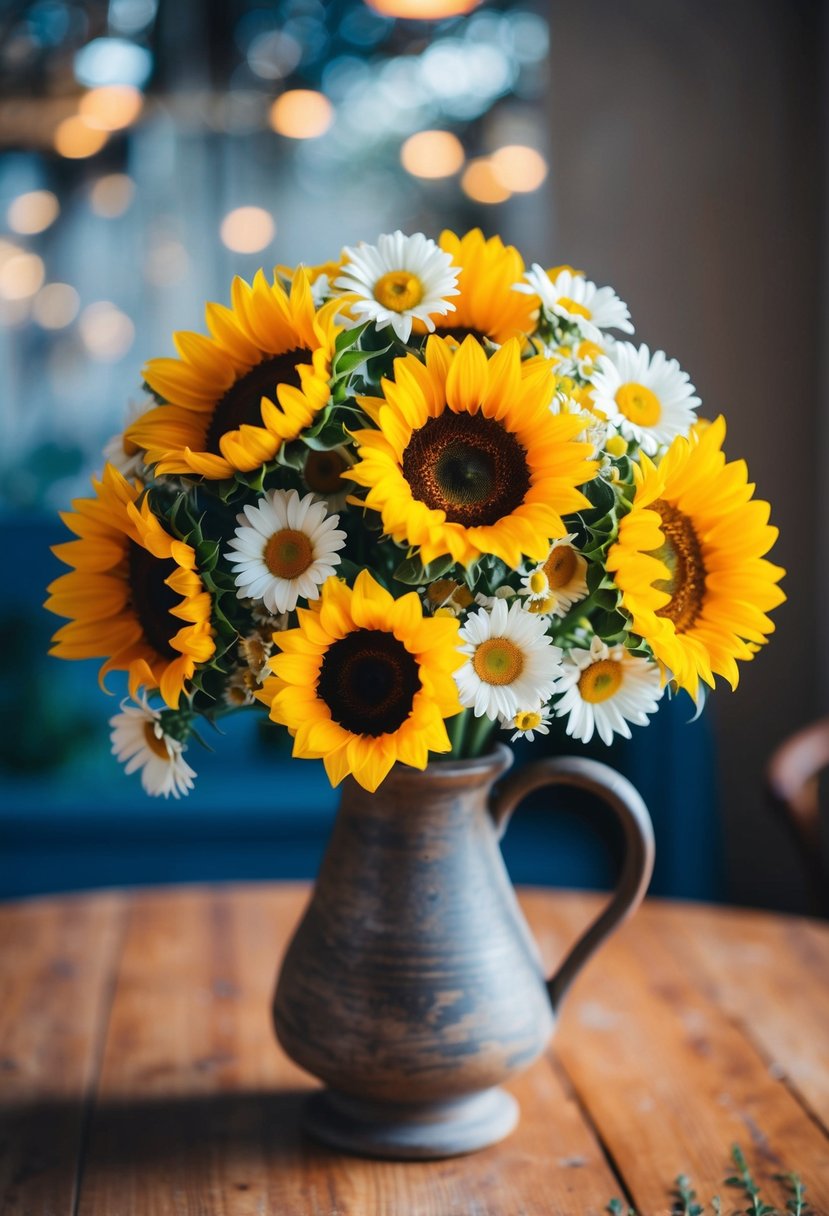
{"x":412,"y":571}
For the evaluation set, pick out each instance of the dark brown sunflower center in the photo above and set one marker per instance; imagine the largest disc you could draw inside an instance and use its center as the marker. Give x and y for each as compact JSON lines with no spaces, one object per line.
{"x":322,"y":472}
{"x":241,"y":404}
{"x":682,"y":554}
{"x":152,"y":599}
{"x":459,"y":332}
{"x":468,"y":466}
{"x":368,"y":680}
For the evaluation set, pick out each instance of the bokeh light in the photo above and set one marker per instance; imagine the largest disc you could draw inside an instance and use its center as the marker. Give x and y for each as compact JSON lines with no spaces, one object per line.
{"x":111,"y":107}
{"x":21,"y":275}
{"x":519,"y":168}
{"x":423,"y":10}
{"x":111,"y":195}
{"x":75,"y":140}
{"x":106,"y":332}
{"x":480,"y":183}
{"x":55,"y":305}
{"x":301,"y":114}
{"x":113,"y":61}
{"x":247,"y":229}
{"x":432,"y":154}
{"x":33,"y":212}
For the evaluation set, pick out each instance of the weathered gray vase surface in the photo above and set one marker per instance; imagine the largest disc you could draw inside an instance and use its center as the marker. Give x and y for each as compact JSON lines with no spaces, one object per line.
{"x":413,"y":987}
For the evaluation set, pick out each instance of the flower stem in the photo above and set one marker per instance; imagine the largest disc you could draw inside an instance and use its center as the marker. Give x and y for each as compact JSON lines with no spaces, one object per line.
{"x":479,"y":737}
{"x":456,"y":729}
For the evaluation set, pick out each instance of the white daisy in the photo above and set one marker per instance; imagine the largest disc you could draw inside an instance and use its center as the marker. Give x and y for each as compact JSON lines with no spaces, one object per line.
{"x":528,"y":723}
{"x":604,"y":688}
{"x":578,"y":300}
{"x":127,"y":458}
{"x":399,"y":280}
{"x":559,"y":582}
{"x":285,"y":548}
{"x":139,"y":742}
{"x":650,"y":399}
{"x":512,"y":663}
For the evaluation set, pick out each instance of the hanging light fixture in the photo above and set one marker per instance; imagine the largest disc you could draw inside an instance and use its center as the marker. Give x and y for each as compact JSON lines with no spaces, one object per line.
{"x":423,"y":10}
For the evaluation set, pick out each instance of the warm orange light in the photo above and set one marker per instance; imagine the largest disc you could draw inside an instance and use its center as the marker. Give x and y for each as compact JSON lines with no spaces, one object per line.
{"x":111,"y":195}
{"x":21,"y":275}
{"x":480,"y":183}
{"x":519,"y":168}
{"x":247,"y":229}
{"x":55,"y":305}
{"x":33,"y":212}
{"x":301,"y":114}
{"x":75,"y":140}
{"x":432,"y":154}
{"x":423,"y":10}
{"x":111,"y":107}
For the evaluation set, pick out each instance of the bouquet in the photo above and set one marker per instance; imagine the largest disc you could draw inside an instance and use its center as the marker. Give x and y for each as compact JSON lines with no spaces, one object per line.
{"x":408,"y":500}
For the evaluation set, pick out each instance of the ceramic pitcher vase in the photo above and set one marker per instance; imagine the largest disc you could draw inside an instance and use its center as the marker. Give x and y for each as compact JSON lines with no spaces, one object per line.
{"x":413,"y":987}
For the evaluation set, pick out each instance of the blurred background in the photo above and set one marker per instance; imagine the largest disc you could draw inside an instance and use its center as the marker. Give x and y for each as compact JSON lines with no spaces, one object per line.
{"x":150,"y":150}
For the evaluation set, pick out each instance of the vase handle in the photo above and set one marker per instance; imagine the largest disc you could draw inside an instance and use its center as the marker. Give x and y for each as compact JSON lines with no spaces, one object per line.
{"x":637,"y":867}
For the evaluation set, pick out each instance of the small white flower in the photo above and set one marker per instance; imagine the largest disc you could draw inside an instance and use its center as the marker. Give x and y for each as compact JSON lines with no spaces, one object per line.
{"x":139,"y":742}
{"x":559,"y":582}
{"x":511,"y":662}
{"x":577,"y":300}
{"x":399,"y":280}
{"x":286,"y":547}
{"x":528,"y":723}
{"x":127,"y":458}
{"x":650,"y":399}
{"x":604,"y":688}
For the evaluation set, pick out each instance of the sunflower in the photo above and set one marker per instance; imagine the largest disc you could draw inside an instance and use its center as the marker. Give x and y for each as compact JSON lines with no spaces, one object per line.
{"x":364,"y":681}
{"x":488,"y":306}
{"x":134,"y":596}
{"x":690,"y":562}
{"x":468,"y":459}
{"x":234,"y":398}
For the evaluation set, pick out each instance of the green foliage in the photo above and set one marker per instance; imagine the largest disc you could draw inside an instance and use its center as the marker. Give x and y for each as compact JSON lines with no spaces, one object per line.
{"x":684,"y":1200}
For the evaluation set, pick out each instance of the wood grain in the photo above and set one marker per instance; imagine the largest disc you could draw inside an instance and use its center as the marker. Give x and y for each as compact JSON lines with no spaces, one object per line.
{"x":198,"y":1108}
{"x":58,"y":958}
{"x":771,"y":976}
{"x":681,"y":1038}
{"x":670,"y":1079}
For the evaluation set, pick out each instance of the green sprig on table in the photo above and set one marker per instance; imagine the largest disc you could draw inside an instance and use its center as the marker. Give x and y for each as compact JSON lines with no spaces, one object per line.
{"x":685,"y":1202}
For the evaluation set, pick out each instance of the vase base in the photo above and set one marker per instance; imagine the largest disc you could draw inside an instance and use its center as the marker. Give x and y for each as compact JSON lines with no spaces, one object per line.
{"x":408,"y":1131}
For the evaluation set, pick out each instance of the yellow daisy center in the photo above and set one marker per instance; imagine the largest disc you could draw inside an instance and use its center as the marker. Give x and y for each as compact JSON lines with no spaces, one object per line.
{"x":322,"y":472}
{"x":528,"y":719}
{"x":288,"y":553}
{"x":682,"y":554}
{"x":616,"y":445}
{"x":157,"y":746}
{"x":241,"y":404}
{"x":589,"y":350}
{"x":560,"y":566}
{"x":152,"y":600}
{"x":638,"y":404}
{"x":578,"y":310}
{"x":399,"y":290}
{"x":368,"y":680}
{"x":498,"y":661}
{"x":540,"y":607}
{"x":600,"y":681}
{"x":468,"y":466}
{"x":538,"y":582}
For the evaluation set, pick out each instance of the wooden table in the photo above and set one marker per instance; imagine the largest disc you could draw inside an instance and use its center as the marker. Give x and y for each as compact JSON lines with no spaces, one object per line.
{"x":139,"y":1073}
